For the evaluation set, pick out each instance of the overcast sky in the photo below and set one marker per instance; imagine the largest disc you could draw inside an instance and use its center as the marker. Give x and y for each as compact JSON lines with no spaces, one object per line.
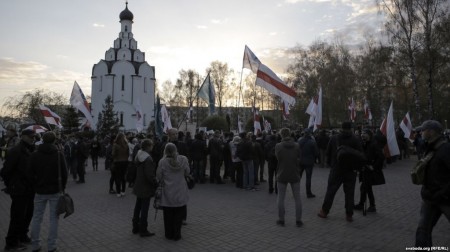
{"x":51,"y":43}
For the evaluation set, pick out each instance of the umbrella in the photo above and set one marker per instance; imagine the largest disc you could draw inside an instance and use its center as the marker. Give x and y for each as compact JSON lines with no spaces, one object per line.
{"x":37,"y":128}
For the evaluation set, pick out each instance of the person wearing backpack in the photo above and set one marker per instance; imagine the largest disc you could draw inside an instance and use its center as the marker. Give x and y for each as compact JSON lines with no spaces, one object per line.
{"x":436,"y":185}
{"x":342,"y":172}
{"x":144,"y":188}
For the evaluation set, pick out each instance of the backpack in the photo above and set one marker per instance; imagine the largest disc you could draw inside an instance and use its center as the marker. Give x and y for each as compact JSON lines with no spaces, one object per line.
{"x":418,"y":171}
{"x":345,"y":153}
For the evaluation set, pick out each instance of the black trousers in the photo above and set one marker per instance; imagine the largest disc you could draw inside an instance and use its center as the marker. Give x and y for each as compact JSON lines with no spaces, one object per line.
{"x":81,"y":170}
{"x":22,"y":207}
{"x":335,"y":180}
{"x":120,"y":169}
{"x":272,"y":170}
{"x":173,"y":218}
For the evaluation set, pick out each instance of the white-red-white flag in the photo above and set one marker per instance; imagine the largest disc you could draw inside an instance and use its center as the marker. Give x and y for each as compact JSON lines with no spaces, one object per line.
{"x":367,"y":112}
{"x":256,"y":121}
{"x":406,"y":126}
{"x":268,"y":80}
{"x":388,"y":129}
{"x":250,"y":60}
{"x":352,"y":108}
{"x":50,"y":116}
{"x":78,"y":101}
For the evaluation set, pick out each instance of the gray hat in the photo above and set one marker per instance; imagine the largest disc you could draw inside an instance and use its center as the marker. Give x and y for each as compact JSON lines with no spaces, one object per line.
{"x":430,"y":124}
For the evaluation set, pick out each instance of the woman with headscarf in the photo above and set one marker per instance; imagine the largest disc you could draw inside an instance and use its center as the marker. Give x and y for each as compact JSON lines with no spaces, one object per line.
{"x":172,"y":169}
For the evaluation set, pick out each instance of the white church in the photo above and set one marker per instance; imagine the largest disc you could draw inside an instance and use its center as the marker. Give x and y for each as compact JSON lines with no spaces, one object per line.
{"x":126,"y":77}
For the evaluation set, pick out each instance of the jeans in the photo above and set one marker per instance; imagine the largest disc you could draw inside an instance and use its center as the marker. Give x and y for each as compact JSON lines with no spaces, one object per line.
{"x":249,"y":174}
{"x":295,"y":187}
{"x":198,"y":172}
{"x":140,"y":214}
{"x":40,"y":203}
{"x":429,"y":216}
{"x":335,"y":179}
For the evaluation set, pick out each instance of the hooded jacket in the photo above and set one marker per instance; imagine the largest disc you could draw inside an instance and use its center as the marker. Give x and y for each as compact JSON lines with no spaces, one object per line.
{"x":173,"y":171}
{"x":44,"y":169}
{"x":145,"y":183}
{"x":436,"y":186}
{"x":288,"y":155}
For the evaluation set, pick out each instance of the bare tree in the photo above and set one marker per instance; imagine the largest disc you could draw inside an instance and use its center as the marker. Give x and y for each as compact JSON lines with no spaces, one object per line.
{"x":220,"y":75}
{"x":26,"y":106}
{"x":402,"y":27}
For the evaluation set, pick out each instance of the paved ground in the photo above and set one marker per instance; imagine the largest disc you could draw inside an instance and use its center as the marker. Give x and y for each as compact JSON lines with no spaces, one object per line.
{"x":224,"y":218}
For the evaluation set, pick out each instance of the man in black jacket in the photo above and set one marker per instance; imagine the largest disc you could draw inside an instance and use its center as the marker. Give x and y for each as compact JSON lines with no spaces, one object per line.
{"x":48,"y":166}
{"x":436,"y":187}
{"x":343,"y":172}
{"x":19,"y":185}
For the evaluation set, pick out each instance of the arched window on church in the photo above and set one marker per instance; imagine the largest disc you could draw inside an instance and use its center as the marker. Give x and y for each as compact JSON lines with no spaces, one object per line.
{"x":101,"y":83}
{"x":126,"y":28}
{"x":121,"y":118}
{"x":123,"y":82}
{"x":145,"y":120}
{"x":145,"y":85}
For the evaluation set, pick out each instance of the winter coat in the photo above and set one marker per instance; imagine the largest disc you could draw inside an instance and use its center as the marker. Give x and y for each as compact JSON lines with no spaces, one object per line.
{"x":245,"y":150}
{"x":145,"y":183}
{"x":436,"y":187}
{"x":16,"y":170}
{"x":288,"y":154}
{"x":198,"y":149}
{"x":44,"y":169}
{"x":215,"y":148}
{"x":309,"y":151}
{"x":344,"y":138}
{"x":173,"y":172}
{"x":120,"y":153}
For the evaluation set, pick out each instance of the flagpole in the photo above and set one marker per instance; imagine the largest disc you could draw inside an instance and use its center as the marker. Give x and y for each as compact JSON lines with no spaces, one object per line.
{"x":196,"y":97}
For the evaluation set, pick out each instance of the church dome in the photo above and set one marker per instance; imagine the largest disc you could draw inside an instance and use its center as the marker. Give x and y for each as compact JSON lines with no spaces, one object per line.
{"x":126,"y":14}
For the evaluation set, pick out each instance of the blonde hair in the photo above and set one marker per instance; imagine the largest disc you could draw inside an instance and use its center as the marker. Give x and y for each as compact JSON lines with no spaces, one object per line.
{"x":171,"y":154}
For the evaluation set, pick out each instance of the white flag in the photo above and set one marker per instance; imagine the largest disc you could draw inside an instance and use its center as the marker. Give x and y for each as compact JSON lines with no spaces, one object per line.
{"x":388,"y":129}
{"x":139,"y":117}
{"x":250,"y":60}
{"x":165,"y":118}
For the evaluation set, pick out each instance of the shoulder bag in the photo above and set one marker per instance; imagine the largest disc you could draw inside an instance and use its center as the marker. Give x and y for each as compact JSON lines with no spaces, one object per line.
{"x":65,"y":203}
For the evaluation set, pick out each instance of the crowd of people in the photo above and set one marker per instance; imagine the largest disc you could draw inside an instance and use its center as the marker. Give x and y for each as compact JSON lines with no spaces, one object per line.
{"x":146,"y":162}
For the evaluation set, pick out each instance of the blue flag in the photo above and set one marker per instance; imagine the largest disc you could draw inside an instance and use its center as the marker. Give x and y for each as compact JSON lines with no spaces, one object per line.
{"x":208,"y":94}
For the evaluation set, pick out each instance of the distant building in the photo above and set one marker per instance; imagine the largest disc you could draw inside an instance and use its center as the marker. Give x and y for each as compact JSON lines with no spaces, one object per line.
{"x":126,"y":77}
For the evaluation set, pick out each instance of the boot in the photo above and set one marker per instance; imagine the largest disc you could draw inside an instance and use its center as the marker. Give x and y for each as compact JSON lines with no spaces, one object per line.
{"x":135,"y":229}
{"x":143,"y":232}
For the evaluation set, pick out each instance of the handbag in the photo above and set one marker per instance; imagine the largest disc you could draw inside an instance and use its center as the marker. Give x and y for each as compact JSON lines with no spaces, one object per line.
{"x":65,"y":202}
{"x":418,"y":171}
{"x":190,"y":182}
